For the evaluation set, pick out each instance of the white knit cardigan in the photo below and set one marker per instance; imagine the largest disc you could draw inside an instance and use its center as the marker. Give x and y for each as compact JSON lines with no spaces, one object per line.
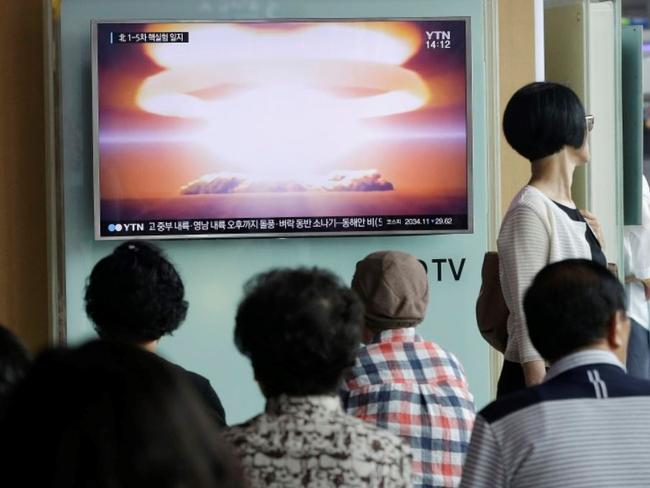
{"x":535,"y":232}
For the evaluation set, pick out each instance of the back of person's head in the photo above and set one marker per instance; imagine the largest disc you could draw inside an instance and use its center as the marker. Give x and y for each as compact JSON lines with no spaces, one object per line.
{"x":541,"y":118}
{"x":572,"y":305}
{"x":135,"y":294}
{"x":109,"y":415}
{"x":300,"y":328}
{"x":394,"y":289}
{"x":14,"y":361}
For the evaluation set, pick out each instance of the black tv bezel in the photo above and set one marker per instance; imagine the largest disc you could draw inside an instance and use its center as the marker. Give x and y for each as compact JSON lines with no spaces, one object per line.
{"x":469,"y":229}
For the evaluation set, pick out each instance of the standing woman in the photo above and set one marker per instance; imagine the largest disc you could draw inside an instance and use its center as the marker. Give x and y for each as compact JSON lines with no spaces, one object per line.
{"x":546,"y":124}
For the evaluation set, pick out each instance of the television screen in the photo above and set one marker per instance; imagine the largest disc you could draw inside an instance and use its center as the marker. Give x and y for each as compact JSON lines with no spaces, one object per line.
{"x":281,"y":128}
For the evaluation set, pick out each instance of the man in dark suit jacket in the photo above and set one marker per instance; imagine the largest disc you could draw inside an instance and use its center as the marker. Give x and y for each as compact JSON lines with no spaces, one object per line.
{"x":587,"y":424}
{"x":135,"y":295}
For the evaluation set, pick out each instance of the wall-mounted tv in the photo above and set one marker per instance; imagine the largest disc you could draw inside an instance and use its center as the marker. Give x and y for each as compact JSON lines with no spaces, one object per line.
{"x":281,"y":128}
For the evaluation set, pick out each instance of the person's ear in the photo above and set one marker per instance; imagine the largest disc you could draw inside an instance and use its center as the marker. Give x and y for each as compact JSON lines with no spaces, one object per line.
{"x":619,"y":331}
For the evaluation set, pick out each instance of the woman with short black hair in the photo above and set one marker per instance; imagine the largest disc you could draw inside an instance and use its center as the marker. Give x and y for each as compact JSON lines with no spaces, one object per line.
{"x":545,"y":123}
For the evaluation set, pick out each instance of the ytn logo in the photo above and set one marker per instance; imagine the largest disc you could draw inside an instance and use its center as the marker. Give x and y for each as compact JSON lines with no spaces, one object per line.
{"x":438,"y":35}
{"x":125,"y":227}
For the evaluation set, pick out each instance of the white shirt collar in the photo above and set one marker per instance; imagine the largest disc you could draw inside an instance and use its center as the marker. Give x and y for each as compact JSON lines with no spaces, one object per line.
{"x":582,"y":358}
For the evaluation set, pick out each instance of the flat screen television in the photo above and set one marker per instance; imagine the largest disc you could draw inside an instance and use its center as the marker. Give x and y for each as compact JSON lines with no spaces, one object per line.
{"x":281,"y":128}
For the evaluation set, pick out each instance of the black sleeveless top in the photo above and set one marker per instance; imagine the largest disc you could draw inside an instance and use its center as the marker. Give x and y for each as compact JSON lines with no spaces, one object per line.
{"x":597,"y":254}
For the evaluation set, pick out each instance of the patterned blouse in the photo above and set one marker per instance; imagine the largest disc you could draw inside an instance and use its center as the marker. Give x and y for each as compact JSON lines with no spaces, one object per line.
{"x":311,"y":442}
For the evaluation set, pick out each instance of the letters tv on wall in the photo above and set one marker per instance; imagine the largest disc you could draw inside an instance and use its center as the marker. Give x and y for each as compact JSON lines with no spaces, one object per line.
{"x":281,"y":128}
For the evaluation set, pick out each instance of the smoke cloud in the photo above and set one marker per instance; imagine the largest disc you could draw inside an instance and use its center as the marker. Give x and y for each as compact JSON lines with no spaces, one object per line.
{"x":224,"y":183}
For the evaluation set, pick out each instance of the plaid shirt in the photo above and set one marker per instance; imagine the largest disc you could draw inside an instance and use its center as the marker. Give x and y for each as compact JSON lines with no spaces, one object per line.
{"x":417,"y":390}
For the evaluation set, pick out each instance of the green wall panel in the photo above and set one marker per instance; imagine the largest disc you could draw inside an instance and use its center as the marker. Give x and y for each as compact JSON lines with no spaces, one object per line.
{"x":632,"y":123}
{"x":214,"y":270}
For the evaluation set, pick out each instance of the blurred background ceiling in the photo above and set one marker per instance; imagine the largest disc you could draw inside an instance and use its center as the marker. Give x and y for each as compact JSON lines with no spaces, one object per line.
{"x":636,"y":8}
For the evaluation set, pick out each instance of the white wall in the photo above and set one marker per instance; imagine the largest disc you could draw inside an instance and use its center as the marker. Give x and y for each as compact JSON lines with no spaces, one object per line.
{"x":601,"y":101}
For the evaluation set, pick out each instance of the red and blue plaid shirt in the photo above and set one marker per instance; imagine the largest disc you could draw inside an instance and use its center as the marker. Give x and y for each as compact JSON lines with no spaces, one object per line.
{"x":417,"y":390}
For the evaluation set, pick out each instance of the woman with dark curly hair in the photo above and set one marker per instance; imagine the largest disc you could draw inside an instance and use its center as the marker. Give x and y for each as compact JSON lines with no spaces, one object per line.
{"x":108,"y":415}
{"x":546,"y":124}
{"x":135,"y":295}
{"x":301,"y":329}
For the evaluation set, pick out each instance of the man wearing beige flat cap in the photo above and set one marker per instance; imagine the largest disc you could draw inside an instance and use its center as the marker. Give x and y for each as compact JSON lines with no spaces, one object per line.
{"x":400,"y":382}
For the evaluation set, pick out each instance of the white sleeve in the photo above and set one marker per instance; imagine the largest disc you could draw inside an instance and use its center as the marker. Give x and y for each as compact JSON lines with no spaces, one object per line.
{"x":524,"y":249}
{"x":483,"y":464}
{"x":637,"y":241}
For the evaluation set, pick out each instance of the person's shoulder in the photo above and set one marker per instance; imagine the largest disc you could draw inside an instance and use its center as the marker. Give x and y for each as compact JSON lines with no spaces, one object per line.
{"x":435,"y":349}
{"x":578,"y":382}
{"x":198,"y":381}
{"x":529,"y":205}
{"x":194,"y":377}
{"x":247,"y":436}
{"x":242,"y":429}
{"x":180,"y":369}
{"x":509,"y":404}
{"x":366,"y":429}
{"x":620,"y":384}
{"x":375,"y":437}
{"x":373,"y":353}
{"x":637,"y":385}
{"x":528,"y":199}
{"x":203,"y":388}
{"x":571,"y":385}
